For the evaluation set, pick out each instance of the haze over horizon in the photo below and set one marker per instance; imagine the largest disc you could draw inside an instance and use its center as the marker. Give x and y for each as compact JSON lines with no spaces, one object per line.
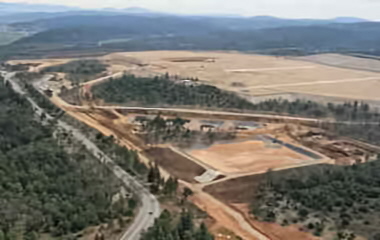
{"x":318,"y":9}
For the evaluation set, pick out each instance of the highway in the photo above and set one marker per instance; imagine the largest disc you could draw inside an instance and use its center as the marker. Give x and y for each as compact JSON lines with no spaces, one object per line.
{"x":149,"y":209}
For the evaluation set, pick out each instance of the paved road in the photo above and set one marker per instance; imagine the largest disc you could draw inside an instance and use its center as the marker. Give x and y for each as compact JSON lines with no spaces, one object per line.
{"x":150,"y":208}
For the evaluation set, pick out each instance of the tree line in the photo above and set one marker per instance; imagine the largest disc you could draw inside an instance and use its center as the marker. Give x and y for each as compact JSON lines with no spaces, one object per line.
{"x":169,"y":228}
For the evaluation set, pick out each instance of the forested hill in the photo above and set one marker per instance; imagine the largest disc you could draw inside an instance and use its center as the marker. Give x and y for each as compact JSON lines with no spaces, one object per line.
{"x":82,"y":18}
{"x":135,"y":33}
{"x":119,"y":25}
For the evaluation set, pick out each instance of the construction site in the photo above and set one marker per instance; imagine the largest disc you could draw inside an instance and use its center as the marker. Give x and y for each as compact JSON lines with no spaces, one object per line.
{"x":221,"y":172}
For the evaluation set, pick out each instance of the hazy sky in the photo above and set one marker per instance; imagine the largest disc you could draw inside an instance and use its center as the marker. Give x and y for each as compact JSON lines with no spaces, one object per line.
{"x":369,"y":9}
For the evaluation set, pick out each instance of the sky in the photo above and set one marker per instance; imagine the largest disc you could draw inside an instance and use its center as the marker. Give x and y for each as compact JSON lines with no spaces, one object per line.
{"x":369,"y":9}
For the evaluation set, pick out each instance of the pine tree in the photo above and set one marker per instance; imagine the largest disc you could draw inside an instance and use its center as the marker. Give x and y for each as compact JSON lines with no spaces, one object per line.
{"x":203,"y":234}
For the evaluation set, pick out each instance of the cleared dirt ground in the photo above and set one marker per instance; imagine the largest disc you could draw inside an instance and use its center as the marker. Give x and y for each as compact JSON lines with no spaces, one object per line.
{"x":247,"y":157}
{"x":237,"y":190}
{"x":238,"y":193}
{"x":177,"y":165}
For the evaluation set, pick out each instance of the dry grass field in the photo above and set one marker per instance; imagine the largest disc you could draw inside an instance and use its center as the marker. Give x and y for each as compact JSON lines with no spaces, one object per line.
{"x":345,"y":61}
{"x":253,"y":75}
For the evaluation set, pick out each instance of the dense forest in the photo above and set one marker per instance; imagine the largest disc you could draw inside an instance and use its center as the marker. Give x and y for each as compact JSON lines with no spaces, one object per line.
{"x":48,"y":185}
{"x":324,"y":198}
{"x":169,"y":228}
{"x":79,"y":70}
{"x":163,"y":91}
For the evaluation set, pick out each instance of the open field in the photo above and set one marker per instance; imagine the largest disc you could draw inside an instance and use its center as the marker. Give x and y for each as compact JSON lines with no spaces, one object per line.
{"x":344,"y":61}
{"x":247,"y":157}
{"x":255,"y":74}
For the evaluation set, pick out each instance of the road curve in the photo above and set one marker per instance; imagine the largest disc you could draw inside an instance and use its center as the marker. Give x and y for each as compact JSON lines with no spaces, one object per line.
{"x":149,"y":209}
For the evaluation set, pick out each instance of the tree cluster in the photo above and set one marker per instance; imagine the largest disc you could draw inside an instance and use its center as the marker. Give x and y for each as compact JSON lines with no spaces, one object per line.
{"x":125,"y":158}
{"x":158,"y":184}
{"x":160,"y":91}
{"x":170,"y":228}
{"x":79,"y":70}
{"x":347,"y":196}
{"x":160,"y":130}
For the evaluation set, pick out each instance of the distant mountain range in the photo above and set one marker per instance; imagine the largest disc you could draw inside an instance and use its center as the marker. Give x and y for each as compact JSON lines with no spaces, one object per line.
{"x":16,"y":12}
{"x":11,"y":8}
{"x":60,"y":28}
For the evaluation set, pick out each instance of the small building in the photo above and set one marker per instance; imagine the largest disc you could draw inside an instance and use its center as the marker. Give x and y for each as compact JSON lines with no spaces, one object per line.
{"x":188,"y":82}
{"x":246,"y":125}
{"x":210,"y":125}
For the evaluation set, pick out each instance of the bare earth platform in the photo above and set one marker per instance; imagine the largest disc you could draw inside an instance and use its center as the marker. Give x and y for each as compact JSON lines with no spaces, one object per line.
{"x":250,"y":157}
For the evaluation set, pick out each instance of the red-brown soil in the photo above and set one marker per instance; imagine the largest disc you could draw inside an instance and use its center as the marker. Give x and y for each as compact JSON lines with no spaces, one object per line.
{"x":177,"y":165}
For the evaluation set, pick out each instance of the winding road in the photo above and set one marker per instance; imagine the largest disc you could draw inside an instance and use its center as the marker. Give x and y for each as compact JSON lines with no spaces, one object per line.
{"x":149,"y":209}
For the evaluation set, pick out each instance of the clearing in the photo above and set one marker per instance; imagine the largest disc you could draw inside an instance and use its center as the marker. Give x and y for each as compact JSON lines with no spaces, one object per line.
{"x":253,"y":156}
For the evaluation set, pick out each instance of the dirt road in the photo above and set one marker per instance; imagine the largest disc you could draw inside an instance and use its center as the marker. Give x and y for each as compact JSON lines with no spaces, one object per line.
{"x":224,"y":214}
{"x":226,"y":115}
